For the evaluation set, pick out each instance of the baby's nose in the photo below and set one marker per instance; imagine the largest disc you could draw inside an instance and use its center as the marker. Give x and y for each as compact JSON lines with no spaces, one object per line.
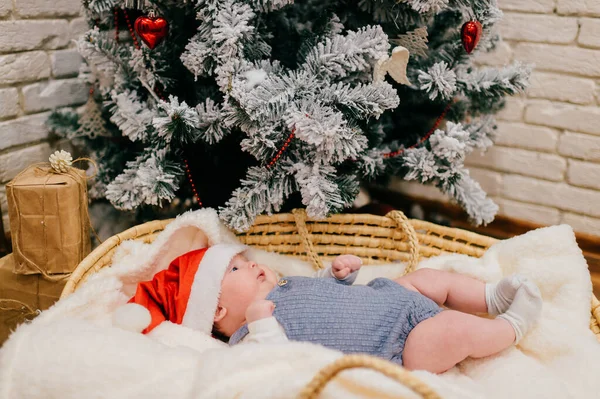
{"x":251,"y":265}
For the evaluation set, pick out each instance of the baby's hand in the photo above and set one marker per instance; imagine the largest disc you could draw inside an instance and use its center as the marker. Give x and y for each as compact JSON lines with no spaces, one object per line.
{"x":343,"y":265}
{"x":260,"y":309}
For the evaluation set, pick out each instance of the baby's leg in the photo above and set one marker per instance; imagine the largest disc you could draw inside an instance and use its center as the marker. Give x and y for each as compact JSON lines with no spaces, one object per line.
{"x":439,"y":343}
{"x":453,"y":290}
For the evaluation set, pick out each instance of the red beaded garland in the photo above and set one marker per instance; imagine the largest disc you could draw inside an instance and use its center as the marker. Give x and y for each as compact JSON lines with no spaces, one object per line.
{"x":116,"y":24}
{"x":424,"y":139}
{"x":189,"y":174}
{"x":386,"y":155}
{"x":282,"y":149}
{"x":131,"y":31}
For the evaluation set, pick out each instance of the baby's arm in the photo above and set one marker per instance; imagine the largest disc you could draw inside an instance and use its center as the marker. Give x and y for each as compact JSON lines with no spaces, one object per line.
{"x":265,"y":331}
{"x":344,"y":268}
{"x":262,"y":326}
{"x":328,"y":273}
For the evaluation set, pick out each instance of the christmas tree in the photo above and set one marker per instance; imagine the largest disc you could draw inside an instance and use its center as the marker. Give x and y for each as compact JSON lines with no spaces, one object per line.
{"x":267,"y":103}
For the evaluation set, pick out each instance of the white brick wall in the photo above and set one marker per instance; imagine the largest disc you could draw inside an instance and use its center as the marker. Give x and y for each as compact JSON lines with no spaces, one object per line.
{"x":38,"y":66}
{"x":545,"y":167}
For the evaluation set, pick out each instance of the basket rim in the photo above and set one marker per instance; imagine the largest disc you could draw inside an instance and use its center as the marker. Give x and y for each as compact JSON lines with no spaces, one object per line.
{"x":106,"y":246}
{"x":342,"y":218}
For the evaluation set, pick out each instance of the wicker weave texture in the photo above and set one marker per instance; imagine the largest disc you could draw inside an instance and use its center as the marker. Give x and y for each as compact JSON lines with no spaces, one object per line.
{"x":400,"y":374}
{"x":376,"y":239}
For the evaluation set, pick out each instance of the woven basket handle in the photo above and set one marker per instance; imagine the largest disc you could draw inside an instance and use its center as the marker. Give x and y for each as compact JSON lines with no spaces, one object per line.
{"x":404,"y":225}
{"x":300,"y":217}
{"x":595,"y":319}
{"x":328,"y":373}
{"x":397,"y":216}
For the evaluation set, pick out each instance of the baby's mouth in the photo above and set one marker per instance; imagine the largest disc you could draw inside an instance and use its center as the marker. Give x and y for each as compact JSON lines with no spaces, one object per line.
{"x":261,"y":275}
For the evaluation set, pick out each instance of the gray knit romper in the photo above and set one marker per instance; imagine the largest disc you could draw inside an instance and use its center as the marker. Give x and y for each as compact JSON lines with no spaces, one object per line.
{"x":375,"y":318}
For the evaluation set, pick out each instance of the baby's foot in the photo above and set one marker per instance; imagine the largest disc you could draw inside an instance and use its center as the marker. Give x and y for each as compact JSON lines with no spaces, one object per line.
{"x":525,"y":309}
{"x":499,"y":296}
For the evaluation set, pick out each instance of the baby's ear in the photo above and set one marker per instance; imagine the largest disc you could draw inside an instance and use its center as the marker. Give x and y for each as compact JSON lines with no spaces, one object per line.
{"x":220,"y":314}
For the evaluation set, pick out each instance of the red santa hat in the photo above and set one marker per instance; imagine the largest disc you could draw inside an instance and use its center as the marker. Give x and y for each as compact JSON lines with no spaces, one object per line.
{"x":185,"y":293}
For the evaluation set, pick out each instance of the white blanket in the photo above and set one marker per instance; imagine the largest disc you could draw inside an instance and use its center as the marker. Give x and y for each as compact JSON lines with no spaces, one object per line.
{"x":72,"y":351}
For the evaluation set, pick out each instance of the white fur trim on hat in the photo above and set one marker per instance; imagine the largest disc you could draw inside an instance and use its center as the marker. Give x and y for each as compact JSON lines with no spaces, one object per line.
{"x":206,"y":288}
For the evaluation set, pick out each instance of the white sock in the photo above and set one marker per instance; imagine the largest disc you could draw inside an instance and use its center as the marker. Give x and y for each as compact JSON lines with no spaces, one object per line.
{"x":525,"y":310}
{"x":499,"y":296}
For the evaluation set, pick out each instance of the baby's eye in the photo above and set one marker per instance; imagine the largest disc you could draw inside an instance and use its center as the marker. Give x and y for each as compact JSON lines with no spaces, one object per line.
{"x":234,"y":268}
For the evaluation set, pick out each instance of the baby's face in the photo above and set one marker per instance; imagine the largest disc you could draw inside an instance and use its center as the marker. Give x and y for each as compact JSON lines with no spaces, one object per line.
{"x":244,"y":282}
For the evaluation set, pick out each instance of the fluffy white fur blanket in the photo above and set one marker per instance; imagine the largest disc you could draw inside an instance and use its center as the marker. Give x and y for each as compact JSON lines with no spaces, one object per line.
{"x":72,"y":351}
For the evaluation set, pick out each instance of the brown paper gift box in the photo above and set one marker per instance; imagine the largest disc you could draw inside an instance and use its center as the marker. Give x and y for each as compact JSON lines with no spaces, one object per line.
{"x":49,"y":220}
{"x":20,"y":295}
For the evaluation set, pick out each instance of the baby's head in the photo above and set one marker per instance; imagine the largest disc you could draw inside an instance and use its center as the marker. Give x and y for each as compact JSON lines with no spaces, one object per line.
{"x":201,"y":289}
{"x":244,"y":282}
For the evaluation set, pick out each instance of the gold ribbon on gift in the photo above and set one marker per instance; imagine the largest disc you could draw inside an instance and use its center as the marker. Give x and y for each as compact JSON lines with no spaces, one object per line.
{"x":90,"y":160}
{"x":26,"y":313}
{"x":81,"y":182}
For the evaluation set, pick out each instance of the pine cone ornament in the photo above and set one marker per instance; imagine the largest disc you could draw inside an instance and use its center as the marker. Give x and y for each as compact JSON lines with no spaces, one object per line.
{"x":61,"y":161}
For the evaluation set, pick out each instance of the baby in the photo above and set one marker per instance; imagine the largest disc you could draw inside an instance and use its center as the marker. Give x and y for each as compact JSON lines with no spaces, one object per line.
{"x":218,"y":289}
{"x":400,"y":320}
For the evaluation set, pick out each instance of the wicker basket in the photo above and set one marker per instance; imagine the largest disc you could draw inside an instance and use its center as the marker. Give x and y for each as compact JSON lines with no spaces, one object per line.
{"x":376,"y":239}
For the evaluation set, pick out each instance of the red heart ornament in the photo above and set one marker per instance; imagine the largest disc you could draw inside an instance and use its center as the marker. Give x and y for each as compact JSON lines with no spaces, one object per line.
{"x":470,"y":35}
{"x":152,"y":30}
